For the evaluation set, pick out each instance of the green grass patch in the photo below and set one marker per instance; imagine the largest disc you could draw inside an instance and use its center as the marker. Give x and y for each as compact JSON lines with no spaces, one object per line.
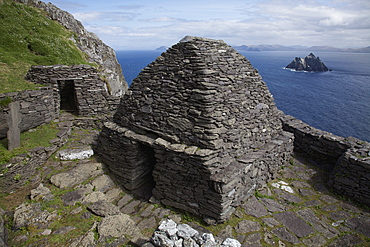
{"x":29,"y":140}
{"x":258,"y":194}
{"x":30,"y":37}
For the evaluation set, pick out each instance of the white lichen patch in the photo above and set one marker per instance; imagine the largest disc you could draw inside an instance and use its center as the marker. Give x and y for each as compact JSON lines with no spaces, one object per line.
{"x":283,"y":186}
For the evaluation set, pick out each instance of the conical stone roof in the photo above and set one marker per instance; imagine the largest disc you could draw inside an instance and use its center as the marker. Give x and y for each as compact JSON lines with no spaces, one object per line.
{"x":201,"y":92}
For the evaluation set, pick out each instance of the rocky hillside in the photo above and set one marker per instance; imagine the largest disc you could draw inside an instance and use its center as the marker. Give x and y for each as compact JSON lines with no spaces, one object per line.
{"x":36,"y":27}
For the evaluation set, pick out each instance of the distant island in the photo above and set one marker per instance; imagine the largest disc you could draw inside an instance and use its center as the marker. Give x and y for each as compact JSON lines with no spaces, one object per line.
{"x":310,"y":63}
{"x":299,"y":48}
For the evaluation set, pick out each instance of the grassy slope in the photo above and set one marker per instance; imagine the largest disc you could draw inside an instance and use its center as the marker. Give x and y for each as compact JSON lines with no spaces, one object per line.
{"x":30,"y":37}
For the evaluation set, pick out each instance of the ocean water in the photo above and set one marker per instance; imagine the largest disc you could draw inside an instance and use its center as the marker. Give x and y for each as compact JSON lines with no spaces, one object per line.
{"x":337,"y":101}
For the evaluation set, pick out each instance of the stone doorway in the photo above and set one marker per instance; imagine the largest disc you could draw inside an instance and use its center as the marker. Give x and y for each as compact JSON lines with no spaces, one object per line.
{"x":146,"y":161}
{"x":67,"y":92}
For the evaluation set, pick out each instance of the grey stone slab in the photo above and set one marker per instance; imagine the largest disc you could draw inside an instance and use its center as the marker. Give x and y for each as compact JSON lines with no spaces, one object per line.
{"x":272,"y":205}
{"x":147,"y":211}
{"x":104,"y":209}
{"x":307,"y":192}
{"x":70,"y":198}
{"x":331,"y":207}
{"x":290,"y":198}
{"x":124,"y":200}
{"x":283,"y":234}
{"x":253,"y":239}
{"x":148,"y":223}
{"x":313,"y":203}
{"x":328,"y":199}
{"x":360,"y":224}
{"x":254,"y":208}
{"x":347,"y":240}
{"x":314,"y":241}
{"x":295,"y":224}
{"x":271,"y":222}
{"x":13,"y":120}
{"x":318,"y":224}
{"x":131,"y":207}
{"x":246,"y":226}
{"x":339,"y":215}
{"x":300,"y":184}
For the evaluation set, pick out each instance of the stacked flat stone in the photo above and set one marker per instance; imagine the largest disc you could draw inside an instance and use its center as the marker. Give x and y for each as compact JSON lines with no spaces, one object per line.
{"x":212,"y":123}
{"x":37,"y":107}
{"x":169,"y":233}
{"x":92,"y":93}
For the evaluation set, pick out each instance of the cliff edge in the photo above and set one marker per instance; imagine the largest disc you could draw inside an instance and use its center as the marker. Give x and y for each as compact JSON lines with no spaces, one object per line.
{"x":310,"y":63}
{"x":89,"y":43}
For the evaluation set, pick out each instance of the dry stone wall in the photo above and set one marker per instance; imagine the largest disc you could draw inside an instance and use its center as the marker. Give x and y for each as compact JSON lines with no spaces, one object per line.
{"x":36,"y":108}
{"x":86,"y":89}
{"x":201,"y":123}
{"x":351,"y":175}
{"x":346,"y":159}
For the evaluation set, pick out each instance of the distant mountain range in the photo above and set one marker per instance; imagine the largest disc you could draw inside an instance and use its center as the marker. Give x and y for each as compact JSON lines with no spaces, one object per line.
{"x":298,"y":48}
{"x":290,"y":48}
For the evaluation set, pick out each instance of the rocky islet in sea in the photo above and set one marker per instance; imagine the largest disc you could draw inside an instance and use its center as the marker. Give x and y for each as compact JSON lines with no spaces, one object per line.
{"x":310,"y":63}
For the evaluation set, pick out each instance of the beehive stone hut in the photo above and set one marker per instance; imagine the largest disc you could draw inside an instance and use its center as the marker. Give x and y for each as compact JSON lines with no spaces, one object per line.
{"x":199,"y":122}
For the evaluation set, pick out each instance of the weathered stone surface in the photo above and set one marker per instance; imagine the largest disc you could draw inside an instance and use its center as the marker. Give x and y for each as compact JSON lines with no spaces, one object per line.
{"x":147,"y":223}
{"x":272,"y":205}
{"x":283,"y":234}
{"x":77,"y":175}
{"x":294,"y":224}
{"x":246,"y":226}
{"x":314,"y":241}
{"x":13,"y":120}
{"x":169,"y":233}
{"x":102,"y":183}
{"x":93,"y":197}
{"x":229,"y":242}
{"x":75,"y":154}
{"x":32,"y":214}
{"x":41,"y":193}
{"x":360,"y":224}
{"x":346,"y":240}
{"x":117,"y":226}
{"x":104,"y":209}
{"x":70,"y":198}
{"x":254,"y":208}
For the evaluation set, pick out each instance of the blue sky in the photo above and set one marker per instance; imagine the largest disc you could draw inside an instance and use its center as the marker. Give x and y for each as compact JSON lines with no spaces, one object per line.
{"x":145,"y":24}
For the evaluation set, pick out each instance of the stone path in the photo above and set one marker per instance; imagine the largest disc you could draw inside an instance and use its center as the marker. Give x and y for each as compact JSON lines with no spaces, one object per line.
{"x":78,"y":204}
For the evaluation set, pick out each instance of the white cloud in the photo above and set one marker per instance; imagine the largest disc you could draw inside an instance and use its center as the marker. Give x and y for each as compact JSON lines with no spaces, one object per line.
{"x":105,"y":16}
{"x":147,"y":24}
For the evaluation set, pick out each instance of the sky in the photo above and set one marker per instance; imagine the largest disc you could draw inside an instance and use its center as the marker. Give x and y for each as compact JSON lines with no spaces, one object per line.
{"x":149,"y":24}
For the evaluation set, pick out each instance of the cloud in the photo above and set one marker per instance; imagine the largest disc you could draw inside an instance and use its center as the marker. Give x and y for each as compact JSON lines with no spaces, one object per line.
{"x":340,"y":23}
{"x":131,"y":7}
{"x":65,"y":4}
{"x":105,"y":16}
{"x":164,"y":19}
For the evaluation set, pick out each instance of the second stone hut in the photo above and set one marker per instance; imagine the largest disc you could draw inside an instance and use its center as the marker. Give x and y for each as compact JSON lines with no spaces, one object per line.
{"x":199,"y":128}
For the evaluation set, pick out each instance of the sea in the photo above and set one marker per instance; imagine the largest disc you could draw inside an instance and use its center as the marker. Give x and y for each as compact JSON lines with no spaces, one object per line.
{"x":337,"y":101}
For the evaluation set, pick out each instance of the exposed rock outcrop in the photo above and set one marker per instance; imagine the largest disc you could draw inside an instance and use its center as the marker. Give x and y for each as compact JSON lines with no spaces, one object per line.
{"x":89,"y":43}
{"x":310,"y":63}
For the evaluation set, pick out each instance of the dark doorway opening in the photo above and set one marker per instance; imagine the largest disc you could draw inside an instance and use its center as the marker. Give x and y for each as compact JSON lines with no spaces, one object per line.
{"x":67,"y":92}
{"x":146,"y":162}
